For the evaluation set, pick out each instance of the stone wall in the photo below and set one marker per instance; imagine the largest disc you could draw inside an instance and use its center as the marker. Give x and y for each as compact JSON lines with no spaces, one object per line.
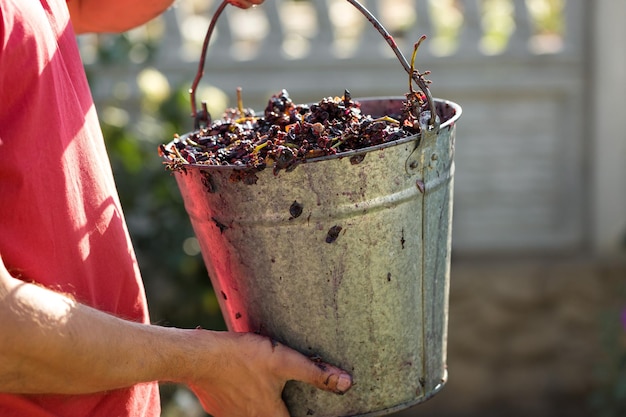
{"x":524,"y":336}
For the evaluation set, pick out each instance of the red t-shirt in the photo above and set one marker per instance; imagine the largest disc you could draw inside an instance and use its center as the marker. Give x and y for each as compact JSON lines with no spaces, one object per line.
{"x":61,"y":224}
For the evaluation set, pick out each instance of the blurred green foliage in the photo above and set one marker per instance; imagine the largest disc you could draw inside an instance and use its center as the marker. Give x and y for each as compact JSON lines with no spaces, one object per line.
{"x":176,"y":282}
{"x":177,"y":285}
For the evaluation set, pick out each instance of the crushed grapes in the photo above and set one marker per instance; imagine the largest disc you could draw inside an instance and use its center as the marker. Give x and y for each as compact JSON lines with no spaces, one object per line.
{"x":287,"y":134}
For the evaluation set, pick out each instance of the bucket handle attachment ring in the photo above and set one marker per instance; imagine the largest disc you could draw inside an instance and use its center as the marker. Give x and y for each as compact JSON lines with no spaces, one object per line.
{"x":203,"y":115}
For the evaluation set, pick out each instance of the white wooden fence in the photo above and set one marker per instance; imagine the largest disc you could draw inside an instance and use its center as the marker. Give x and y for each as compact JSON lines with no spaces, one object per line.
{"x":523,"y":177}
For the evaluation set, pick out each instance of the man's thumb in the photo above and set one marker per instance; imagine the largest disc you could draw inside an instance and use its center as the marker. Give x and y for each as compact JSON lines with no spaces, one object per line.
{"x":322,"y":375}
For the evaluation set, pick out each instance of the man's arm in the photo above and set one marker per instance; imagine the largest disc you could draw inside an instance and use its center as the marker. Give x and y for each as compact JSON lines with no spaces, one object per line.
{"x":122,"y":15}
{"x":51,"y":344}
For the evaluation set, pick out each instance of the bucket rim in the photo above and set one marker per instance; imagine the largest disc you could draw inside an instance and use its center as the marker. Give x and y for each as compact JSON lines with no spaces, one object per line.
{"x":409,"y":404}
{"x":447,"y":124}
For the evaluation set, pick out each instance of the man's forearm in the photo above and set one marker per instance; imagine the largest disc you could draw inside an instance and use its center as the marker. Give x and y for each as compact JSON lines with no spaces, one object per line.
{"x":51,"y":344}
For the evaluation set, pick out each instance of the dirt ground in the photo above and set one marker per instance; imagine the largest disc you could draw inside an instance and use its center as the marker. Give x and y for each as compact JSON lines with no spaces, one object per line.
{"x":526,"y":336}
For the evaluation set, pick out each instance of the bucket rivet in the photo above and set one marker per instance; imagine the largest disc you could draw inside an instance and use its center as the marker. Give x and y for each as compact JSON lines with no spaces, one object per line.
{"x":434,"y":157}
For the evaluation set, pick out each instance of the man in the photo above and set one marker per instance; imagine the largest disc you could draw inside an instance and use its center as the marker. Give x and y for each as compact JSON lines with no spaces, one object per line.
{"x":75,"y":339}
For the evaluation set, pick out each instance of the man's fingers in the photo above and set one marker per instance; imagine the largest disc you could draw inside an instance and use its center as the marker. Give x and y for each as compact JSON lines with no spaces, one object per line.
{"x":319,"y":374}
{"x":245,"y":4}
{"x":325,"y":376}
{"x":336,"y":382}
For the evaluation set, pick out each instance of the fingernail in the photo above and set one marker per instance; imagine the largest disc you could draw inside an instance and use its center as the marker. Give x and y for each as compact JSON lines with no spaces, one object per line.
{"x":344,"y":382}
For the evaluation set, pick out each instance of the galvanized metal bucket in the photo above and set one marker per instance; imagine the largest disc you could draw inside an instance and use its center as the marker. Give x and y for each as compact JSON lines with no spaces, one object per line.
{"x":344,"y":257}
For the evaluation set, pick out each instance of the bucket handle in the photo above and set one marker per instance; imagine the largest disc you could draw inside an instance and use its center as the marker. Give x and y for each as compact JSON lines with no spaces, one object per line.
{"x":428,"y":127}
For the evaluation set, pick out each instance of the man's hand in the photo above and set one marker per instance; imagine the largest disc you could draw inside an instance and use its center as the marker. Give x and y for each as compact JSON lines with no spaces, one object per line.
{"x":244,"y":4}
{"x":250,"y":373}
{"x":122,"y":15}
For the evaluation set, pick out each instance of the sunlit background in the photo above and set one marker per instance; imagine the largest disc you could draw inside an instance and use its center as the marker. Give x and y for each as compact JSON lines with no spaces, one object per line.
{"x":539,"y":230}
